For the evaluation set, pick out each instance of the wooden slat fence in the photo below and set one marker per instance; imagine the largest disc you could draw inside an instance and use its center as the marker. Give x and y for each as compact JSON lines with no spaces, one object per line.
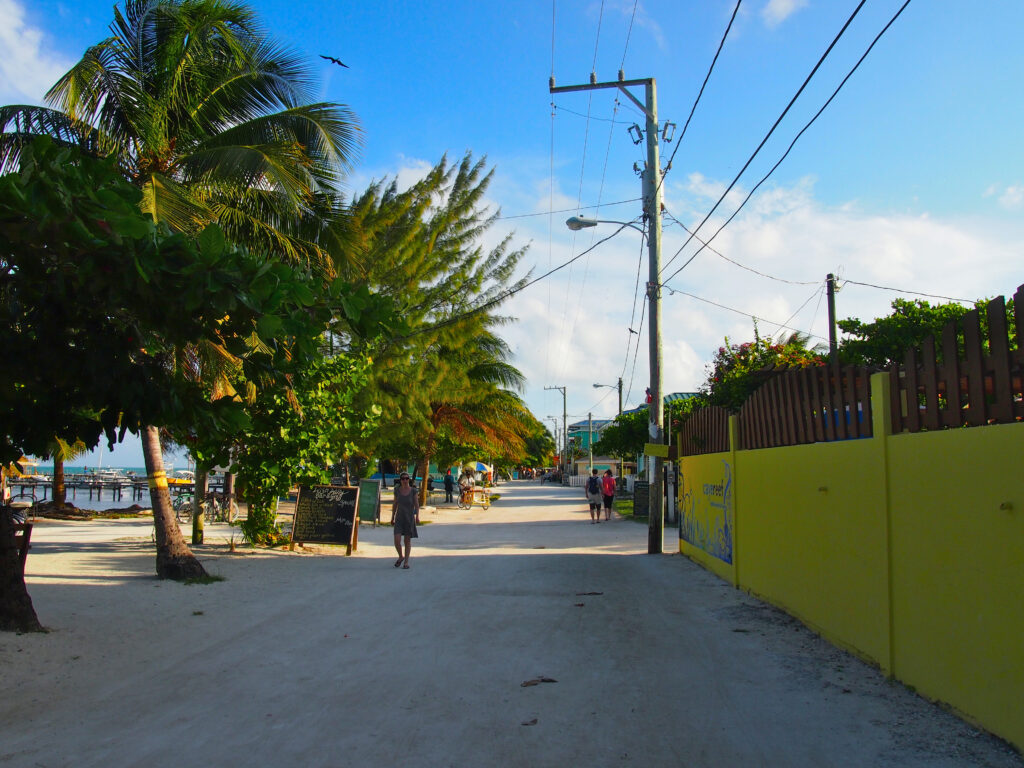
{"x":808,"y":405}
{"x":964,"y":381}
{"x":706,"y":431}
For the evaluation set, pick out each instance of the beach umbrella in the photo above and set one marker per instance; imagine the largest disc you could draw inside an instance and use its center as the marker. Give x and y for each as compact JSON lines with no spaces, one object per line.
{"x":481,"y":467}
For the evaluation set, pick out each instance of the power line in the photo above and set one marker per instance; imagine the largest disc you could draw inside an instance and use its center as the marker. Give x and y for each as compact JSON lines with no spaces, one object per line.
{"x":793,"y":143}
{"x":513,"y":291}
{"x":567,"y":210}
{"x":913,"y":293}
{"x":768,"y":135}
{"x":742,"y":266}
{"x":602,"y":119}
{"x":700,"y":93}
{"x":632,"y":314}
{"x":741,"y":312}
{"x":629,"y":33}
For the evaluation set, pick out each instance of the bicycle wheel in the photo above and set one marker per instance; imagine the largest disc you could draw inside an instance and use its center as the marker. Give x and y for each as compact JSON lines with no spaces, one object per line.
{"x":486,"y":501}
{"x":183,"y":510}
{"x":462,"y":502}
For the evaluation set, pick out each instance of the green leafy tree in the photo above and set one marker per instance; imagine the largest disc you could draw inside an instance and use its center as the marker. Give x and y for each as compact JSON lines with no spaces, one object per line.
{"x":625,"y":437}
{"x":885,"y":340}
{"x":298,"y":435}
{"x":84,"y":281}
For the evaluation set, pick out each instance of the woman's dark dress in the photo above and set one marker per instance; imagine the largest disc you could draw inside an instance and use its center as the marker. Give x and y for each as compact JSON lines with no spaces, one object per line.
{"x":405,"y":515}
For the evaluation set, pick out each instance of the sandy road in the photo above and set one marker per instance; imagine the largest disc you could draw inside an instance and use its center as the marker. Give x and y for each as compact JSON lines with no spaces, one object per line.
{"x":316,"y":659}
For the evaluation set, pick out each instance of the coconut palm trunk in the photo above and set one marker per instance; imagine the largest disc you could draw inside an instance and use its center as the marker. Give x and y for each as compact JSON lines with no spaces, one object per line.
{"x":16,"y":611}
{"x":60,"y":494}
{"x":174,"y":560}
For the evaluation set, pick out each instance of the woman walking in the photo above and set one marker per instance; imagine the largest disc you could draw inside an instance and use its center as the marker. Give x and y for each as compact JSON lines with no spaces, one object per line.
{"x":406,"y":513}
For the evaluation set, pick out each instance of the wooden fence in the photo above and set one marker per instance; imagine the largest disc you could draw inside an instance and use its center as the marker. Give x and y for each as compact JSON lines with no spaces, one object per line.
{"x":809,"y":405}
{"x":967,"y":382}
{"x":706,"y":431}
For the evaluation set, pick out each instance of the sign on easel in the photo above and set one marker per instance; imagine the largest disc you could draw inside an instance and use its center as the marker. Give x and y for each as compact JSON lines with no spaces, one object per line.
{"x":326,"y":514}
{"x":369,"y":501}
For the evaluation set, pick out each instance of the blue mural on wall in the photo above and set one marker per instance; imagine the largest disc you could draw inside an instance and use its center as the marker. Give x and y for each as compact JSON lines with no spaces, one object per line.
{"x":707,"y":516}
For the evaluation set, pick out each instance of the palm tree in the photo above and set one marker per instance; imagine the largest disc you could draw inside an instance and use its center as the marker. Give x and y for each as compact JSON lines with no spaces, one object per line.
{"x":62,"y":452}
{"x":209,"y":117}
{"x":213,"y":121}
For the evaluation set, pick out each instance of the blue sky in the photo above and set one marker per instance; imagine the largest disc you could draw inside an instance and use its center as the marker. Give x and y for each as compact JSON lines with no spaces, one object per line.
{"x":912,"y":178}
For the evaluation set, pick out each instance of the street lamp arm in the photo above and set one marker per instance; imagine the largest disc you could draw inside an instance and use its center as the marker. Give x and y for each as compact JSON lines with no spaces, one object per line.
{"x":576,"y":223}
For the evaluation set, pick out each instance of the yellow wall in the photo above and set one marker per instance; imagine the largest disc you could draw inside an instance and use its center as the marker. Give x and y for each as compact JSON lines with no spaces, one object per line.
{"x":895,"y":547}
{"x":707,"y":512}
{"x":812,"y":533}
{"x":958,"y":570}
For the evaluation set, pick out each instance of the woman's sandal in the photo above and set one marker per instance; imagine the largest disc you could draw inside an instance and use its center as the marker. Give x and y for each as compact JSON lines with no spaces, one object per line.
{"x":398,"y":562}
{"x":406,"y":566}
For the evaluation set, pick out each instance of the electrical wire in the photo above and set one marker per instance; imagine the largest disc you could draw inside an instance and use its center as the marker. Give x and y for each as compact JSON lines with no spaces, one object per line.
{"x":741,"y":312}
{"x":768,"y":135}
{"x":567,"y":210}
{"x":736,"y":263}
{"x":792,"y":144}
{"x":602,"y":119}
{"x":629,"y":33}
{"x":817,"y":292}
{"x":513,"y":291}
{"x":632,"y":314}
{"x":700,"y":93}
{"x":636,"y":353}
{"x":913,"y":293}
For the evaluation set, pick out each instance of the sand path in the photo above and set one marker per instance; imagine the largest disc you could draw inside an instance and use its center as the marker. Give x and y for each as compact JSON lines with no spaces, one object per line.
{"x":317,"y":659}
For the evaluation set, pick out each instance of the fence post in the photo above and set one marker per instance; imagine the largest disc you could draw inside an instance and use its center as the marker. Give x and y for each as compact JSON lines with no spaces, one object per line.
{"x":881,"y":429}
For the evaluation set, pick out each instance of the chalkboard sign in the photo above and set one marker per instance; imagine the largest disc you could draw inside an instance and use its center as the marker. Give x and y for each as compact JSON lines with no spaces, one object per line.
{"x":326,"y":514}
{"x":641,"y":498}
{"x":369,"y":500}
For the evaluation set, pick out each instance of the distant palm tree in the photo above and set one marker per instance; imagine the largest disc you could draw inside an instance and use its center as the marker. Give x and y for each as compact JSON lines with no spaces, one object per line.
{"x":62,"y":452}
{"x":214,"y":122}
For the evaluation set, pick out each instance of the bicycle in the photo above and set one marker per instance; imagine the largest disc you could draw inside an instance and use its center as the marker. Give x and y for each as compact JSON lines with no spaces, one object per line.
{"x":183,"y":505}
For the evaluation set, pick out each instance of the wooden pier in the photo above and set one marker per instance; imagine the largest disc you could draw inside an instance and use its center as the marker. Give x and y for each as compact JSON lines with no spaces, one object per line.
{"x":117,"y":489}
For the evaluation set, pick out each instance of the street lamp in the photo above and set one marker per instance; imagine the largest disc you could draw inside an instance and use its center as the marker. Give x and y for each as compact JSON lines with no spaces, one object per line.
{"x":576,"y":223}
{"x":652,"y":200}
{"x":614,"y":386}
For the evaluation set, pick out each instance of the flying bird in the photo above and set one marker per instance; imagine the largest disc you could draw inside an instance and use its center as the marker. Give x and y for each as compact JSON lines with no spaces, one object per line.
{"x":334,"y":61}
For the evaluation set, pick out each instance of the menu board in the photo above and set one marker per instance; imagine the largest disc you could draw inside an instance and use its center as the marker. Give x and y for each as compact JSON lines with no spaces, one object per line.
{"x":641,"y":498}
{"x":326,"y":514}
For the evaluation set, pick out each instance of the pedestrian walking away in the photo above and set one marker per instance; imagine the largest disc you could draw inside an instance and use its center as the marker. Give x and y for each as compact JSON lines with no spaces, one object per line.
{"x":608,"y":492}
{"x":449,"y":486}
{"x":405,"y":511}
{"x":594,"y":497}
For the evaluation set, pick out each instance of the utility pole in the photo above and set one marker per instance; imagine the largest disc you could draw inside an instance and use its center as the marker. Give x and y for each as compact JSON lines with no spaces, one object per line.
{"x":565,"y":430}
{"x":590,"y":438}
{"x":833,"y":344}
{"x":652,"y":213}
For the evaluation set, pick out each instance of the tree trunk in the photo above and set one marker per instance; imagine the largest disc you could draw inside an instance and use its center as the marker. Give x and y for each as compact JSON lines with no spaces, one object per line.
{"x":16,"y":611}
{"x":201,"y":485}
{"x":174,"y":560}
{"x":60,"y":494}
{"x":422,"y":469}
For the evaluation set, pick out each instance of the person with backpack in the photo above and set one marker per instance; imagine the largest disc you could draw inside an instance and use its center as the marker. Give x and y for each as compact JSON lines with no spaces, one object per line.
{"x":594,"y":497}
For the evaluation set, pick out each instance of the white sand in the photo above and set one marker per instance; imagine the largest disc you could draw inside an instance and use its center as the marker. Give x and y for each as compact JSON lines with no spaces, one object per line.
{"x":316,"y":659}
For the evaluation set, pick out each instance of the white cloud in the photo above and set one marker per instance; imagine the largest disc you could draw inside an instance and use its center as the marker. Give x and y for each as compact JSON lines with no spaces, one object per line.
{"x":1012,"y":197}
{"x":777,"y":11}
{"x":785,"y":233}
{"x":29,"y":64}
